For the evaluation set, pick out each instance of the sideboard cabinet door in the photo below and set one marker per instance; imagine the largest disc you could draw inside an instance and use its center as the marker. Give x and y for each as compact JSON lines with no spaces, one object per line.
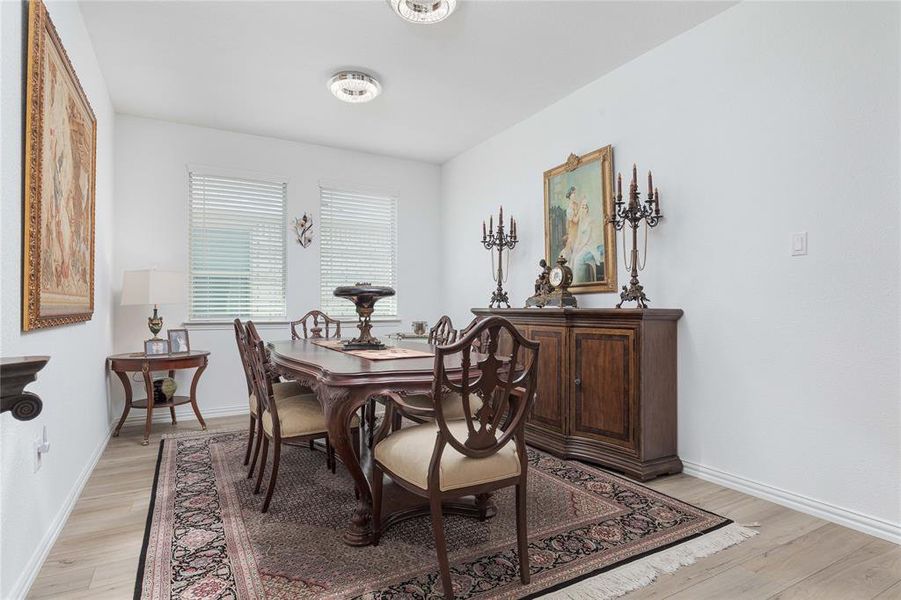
{"x":604,"y":395}
{"x":548,"y":410}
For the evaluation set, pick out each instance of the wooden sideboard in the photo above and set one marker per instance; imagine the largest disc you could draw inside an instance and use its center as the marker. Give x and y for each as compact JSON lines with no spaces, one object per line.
{"x":606,"y":385}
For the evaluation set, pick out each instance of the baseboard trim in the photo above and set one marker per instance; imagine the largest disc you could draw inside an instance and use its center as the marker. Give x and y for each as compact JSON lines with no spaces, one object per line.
{"x":849,"y":518}
{"x":186,"y":413}
{"x":33,"y":567}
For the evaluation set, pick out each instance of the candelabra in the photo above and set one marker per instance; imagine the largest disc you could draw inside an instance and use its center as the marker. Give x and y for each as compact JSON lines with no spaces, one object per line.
{"x":497,"y":239}
{"x":632,"y":214}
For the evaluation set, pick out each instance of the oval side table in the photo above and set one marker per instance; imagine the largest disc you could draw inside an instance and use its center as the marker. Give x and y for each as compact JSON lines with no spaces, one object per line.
{"x":138,"y":362}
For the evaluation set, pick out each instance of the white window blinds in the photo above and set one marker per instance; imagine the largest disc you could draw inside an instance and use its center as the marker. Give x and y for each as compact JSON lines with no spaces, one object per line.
{"x":358,"y":243}
{"x":237,"y":248}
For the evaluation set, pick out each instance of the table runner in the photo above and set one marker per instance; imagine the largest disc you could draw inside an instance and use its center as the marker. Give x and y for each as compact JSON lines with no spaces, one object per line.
{"x":389,"y":353}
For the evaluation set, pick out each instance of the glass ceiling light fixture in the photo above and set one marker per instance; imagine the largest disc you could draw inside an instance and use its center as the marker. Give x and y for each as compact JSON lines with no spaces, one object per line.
{"x":354,"y":86}
{"x":423,"y":12}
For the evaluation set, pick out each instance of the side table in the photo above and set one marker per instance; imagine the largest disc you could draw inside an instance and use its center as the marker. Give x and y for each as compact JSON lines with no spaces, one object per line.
{"x":138,"y":362}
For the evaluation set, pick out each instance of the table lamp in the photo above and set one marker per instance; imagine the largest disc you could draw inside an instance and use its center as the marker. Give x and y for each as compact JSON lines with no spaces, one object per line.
{"x":153,"y":287}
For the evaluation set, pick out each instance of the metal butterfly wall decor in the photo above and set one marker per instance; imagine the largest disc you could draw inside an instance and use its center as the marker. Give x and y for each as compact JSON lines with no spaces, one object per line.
{"x":302,"y":227}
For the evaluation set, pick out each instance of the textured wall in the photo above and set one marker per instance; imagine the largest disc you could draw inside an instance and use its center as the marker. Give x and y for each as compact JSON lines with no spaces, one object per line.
{"x":768,"y":119}
{"x":152,"y":230}
{"x":73,"y":385}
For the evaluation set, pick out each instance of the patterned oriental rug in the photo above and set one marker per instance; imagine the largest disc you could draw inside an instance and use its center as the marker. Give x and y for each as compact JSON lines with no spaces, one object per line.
{"x":592,"y":534}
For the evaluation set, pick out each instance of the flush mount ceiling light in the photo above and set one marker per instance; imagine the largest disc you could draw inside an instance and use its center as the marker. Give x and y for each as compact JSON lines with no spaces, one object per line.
{"x":354,"y":86}
{"x":424,"y":12}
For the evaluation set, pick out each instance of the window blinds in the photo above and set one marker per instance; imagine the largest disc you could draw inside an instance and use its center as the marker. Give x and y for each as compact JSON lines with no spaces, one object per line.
{"x":358,"y":243}
{"x":237,"y":248}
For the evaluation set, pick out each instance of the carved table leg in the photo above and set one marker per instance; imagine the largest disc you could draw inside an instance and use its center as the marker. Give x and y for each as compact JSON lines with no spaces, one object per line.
{"x":194,"y":381}
{"x":340,"y":404}
{"x":485,"y":506}
{"x":148,"y":383}
{"x":126,"y":383}
{"x":172,"y":408}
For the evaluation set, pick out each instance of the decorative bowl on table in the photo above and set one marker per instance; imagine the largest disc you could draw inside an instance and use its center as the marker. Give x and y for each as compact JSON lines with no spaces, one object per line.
{"x":364,"y":296}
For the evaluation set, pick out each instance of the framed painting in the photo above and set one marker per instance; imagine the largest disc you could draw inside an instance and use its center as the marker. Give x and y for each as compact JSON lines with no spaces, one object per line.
{"x":578,"y":199}
{"x":60,"y":164}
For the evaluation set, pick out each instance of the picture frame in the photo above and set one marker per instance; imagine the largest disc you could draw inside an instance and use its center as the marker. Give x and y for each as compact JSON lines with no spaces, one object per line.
{"x":578,"y":200}
{"x":179,"y":341}
{"x":156,"y":347}
{"x":59,"y":184}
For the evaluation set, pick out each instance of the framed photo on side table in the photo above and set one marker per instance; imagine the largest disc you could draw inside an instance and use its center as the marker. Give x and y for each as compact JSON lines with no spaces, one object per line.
{"x":156,"y":347}
{"x":179,"y":343}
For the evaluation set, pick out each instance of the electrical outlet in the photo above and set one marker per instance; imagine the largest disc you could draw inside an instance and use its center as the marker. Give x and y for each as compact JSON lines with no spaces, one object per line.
{"x":799,"y":243}
{"x":41,"y":447}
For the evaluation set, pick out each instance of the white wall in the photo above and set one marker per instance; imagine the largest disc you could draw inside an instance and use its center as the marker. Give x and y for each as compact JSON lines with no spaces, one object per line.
{"x":73,"y":384}
{"x":768,"y":119}
{"x":152,"y":230}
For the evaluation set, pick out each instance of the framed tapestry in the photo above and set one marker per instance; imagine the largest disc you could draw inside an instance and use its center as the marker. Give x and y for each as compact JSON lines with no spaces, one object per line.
{"x":578,"y":199}
{"x":60,"y":163}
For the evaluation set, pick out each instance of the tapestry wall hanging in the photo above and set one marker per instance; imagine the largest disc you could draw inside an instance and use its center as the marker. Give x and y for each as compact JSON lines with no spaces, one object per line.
{"x":578,"y":200}
{"x":60,"y":165}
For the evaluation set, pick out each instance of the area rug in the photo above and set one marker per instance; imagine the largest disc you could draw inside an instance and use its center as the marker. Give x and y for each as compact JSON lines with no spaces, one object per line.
{"x":592,"y":534}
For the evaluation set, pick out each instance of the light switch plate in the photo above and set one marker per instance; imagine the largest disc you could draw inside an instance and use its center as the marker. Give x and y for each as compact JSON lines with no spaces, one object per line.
{"x":799,"y":243}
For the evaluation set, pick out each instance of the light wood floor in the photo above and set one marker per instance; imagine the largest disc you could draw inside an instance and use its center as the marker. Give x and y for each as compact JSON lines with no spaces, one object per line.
{"x":794,"y":556}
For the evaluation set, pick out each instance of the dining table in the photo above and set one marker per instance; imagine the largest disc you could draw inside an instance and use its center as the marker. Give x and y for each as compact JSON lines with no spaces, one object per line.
{"x":343,"y":382}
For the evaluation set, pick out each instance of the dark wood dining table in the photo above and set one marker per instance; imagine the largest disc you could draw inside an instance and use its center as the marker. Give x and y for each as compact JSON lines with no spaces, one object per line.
{"x":343,"y":383}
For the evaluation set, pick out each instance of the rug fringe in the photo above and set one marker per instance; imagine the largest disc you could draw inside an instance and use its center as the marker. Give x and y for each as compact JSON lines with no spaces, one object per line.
{"x":644,"y":571}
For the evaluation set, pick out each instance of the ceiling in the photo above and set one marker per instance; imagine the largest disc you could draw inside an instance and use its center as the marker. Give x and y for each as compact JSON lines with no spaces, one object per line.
{"x":262,"y":67}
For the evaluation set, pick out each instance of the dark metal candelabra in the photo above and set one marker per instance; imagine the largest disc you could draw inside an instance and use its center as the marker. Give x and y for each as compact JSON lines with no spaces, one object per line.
{"x":632,"y":214}
{"x":497,"y":239}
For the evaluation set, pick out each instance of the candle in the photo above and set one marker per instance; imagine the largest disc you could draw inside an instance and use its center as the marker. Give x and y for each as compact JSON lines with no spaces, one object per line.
{"x":656,"y":202}
{"x":484,"y":235}
{"x":514,"y":229}
{"x":511,"y":224}
{"x":619,"y":187}
{"x":491,"y":224}
{"x":635,"y":175}
{"x":500,"y":218}
{"x":650,"y":186}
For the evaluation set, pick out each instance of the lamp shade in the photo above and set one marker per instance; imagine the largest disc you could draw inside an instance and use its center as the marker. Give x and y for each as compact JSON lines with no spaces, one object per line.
{"x":153,"y":287}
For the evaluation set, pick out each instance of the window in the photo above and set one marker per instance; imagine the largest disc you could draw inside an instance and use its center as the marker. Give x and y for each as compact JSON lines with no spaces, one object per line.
{"x":237,"y":247}
{"x":358,"y":243}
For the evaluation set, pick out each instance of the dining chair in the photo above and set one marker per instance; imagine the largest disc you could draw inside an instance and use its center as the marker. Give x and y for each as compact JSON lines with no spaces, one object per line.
{"x":332,"y":331}
{"x":283,"y":389}
{"x":332,"y":326}
{"x":481,"y":453}
{"x":294,"y":421}
{"x":443,"y":332}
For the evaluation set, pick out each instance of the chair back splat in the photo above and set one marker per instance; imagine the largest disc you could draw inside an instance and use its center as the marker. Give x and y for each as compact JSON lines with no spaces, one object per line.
{"x":262,"y":378}
{"x":443,"y":332}
{"x":241,"y":339}
{"x":499,"y":367}
{"x":320,"y":321}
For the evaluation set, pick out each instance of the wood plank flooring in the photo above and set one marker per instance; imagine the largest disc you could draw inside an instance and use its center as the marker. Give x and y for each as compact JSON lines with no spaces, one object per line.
{"x":794,"y":557}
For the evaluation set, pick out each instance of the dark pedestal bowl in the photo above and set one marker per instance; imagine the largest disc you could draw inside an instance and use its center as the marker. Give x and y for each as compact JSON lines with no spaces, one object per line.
{"x":364,"y":297}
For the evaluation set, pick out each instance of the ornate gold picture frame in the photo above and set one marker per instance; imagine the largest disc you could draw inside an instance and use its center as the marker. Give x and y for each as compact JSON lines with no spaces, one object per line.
{"x":60,"y":166}
{"x":578,"y":199}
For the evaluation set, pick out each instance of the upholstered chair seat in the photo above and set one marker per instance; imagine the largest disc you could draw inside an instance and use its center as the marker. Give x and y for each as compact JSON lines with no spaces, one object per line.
{"x":407,"y":454}
{"x":451,"y":405}
{"x":282,"y":389}
{"x":299,"y":415}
